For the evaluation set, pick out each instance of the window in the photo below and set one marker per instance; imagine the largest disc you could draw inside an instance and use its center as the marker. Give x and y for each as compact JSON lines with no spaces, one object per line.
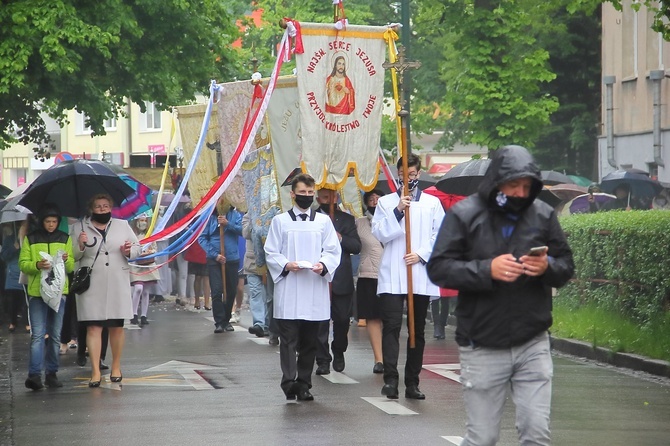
{"x":151,"y":118}
{"x":630,"y":44}
{"x":80,"y":124}
{"x":110,"y":124}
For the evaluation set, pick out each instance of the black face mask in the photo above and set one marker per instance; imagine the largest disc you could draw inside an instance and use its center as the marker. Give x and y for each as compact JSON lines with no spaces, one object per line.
{"x":325,"y":207}
{"x":511,"y":204}
{"x":304,"y":201}
{"x":371,"y":209}
{"x":102,"y":218}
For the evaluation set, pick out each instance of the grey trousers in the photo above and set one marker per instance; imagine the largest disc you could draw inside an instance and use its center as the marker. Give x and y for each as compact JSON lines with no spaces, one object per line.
{"x":488,"y":374}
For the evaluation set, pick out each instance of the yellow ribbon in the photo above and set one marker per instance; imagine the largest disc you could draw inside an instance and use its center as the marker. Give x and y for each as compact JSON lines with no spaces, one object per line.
{"x":391,"y":36}
{"x":173,"y":131}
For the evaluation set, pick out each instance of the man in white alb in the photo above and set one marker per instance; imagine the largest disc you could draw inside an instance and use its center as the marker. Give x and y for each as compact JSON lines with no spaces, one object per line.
{"x":302,"y":253}
{"x":388,"y":226}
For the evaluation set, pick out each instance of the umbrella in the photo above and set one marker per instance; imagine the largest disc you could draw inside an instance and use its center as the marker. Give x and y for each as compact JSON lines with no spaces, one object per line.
{"x":137,"y":203}
{"x":581,"y":205}
{"x":464,"y":178}
{"x":4,"y":191}
{"x":640,"y":185}
{"x":447,"y":200}
{"x":168,"y":198}
{"x":580,"y":181}
{"x":551,"y":177}
{"x":567,"y":192}
{"x":20,"y":190}
{"x":71,"y":184}
{"x":425,"y":180}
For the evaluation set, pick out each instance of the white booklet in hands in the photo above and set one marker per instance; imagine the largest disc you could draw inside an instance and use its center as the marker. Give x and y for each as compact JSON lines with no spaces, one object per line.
{"x":304,"y":264}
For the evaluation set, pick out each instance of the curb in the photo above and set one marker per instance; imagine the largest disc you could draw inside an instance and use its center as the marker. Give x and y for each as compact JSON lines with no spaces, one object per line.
{"x":626,"y":360}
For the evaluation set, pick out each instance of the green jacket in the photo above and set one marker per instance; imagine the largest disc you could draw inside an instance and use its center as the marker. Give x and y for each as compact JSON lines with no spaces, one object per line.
{"x":49,"y":242}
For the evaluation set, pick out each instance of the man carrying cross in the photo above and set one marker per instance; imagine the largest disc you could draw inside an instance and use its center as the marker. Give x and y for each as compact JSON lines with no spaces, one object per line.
{"x":388,"y":227}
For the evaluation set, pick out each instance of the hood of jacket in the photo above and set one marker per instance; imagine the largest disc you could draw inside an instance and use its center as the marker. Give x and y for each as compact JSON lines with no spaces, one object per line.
{"x":507,"y":164}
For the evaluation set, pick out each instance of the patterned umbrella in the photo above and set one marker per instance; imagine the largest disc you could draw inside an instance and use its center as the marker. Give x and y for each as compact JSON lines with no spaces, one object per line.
{"x":137,"y":203}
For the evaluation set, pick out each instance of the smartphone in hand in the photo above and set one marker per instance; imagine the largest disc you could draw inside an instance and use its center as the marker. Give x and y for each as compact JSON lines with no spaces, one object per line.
{"x":537,"y":251}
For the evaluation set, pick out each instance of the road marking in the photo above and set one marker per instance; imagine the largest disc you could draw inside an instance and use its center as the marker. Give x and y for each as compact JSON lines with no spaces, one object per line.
{"x":446,"y":370}
{"x":391,"y":407}
{"x":453,"y":440}
{"x":189,"y":371}
{"x":339,"y":378}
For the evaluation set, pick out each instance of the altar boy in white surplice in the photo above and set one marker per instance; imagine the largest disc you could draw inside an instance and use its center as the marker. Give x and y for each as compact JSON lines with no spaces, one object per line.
{"x":302,"y":252}
{"x":388,"y":226}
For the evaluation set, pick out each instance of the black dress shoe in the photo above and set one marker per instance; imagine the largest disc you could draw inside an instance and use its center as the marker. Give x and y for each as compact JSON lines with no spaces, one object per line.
{"x":93,"y":384}
{"x":218,"y":329}
{"x":304,"y":395}
{"x":116,"y":379}
{"x":103,"y":366}
{"x":81,"y":360}
{"x":390,"y":391}
{"x":414,"y":393}
{"x":323,"y":369}
{"x":229,"y":327}
{"x":378,"y":368}
{"x":338,"y":362}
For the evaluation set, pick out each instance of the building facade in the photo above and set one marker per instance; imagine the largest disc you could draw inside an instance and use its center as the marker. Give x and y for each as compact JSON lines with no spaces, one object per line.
{"x":635,"y":123}
{"x":137,"y":140}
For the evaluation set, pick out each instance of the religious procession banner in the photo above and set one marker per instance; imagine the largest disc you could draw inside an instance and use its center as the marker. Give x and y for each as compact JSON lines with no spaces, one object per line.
{"x":341,"y":89}
{"x":190,"y":123}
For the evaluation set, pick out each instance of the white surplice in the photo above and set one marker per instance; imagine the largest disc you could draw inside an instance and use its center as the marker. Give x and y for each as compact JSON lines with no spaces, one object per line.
{"x":426,"y":217}
{"x":302,"y":294}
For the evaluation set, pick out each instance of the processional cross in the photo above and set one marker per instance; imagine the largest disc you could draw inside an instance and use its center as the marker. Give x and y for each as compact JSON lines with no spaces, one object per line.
{"x":400,"y":65}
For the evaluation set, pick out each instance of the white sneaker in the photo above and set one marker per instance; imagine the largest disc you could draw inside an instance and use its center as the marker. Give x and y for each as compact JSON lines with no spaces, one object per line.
{"x":235,"y":317}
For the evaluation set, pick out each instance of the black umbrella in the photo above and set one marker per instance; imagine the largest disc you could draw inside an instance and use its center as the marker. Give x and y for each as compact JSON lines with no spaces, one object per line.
{"x":71,"y":184}
{"x":464,"y":178}
{"x":4,"y":191}
{"x":552,"y":178}
{"x":641,"y":186}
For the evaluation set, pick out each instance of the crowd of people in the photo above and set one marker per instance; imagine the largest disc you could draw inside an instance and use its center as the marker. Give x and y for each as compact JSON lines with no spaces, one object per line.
{"x":491,"y":260}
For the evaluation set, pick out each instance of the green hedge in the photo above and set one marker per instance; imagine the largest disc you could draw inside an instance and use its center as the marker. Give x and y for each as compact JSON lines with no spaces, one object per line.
{"x":622,"y":262}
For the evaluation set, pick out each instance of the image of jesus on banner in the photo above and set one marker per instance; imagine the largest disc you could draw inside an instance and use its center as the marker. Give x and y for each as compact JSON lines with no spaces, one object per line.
{"x":339,"y":89}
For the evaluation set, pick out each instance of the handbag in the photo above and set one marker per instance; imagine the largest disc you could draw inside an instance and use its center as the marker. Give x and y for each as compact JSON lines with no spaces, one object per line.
{"x":81,"y":280}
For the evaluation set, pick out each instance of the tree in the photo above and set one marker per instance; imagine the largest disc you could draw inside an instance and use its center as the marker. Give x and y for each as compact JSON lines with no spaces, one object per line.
{"x":58,"y":55}
{"x":492,"y":67}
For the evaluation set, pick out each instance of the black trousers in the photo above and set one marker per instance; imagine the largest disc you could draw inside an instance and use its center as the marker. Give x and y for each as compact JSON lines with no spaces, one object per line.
{"x":222,"y":306}
{"x":297,"y":350}
{"x":392,"y":310}
{"x":81,"y":341}
{"x":340,"y":313}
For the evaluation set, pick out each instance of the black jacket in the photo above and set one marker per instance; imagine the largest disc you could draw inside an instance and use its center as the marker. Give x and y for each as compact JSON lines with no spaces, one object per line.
{"x":491,"y":313}
{"x":345,"y":224}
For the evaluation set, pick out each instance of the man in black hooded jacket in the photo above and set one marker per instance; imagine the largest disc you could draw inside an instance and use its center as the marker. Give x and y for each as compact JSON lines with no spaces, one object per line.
{"x":504,"y":305}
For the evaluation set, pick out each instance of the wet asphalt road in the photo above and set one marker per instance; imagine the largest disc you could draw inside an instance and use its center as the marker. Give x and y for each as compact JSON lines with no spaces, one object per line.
{"x":183,"y":384}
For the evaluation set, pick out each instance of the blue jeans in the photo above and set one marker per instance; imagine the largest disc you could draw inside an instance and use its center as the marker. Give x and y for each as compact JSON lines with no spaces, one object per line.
{"x":258,"y":301}
{"x":43,"y":321}
{"x":488,"y":374}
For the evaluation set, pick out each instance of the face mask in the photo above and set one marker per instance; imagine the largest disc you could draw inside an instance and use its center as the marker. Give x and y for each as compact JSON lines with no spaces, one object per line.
{"x":325,"y":207}
{"x":142,"y":225}
{"x":304,"y":201}
{"x":371,"y":209}
{"x":412,"y":184}
{"x":102,"y":218}
{"x":511,"y":204}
